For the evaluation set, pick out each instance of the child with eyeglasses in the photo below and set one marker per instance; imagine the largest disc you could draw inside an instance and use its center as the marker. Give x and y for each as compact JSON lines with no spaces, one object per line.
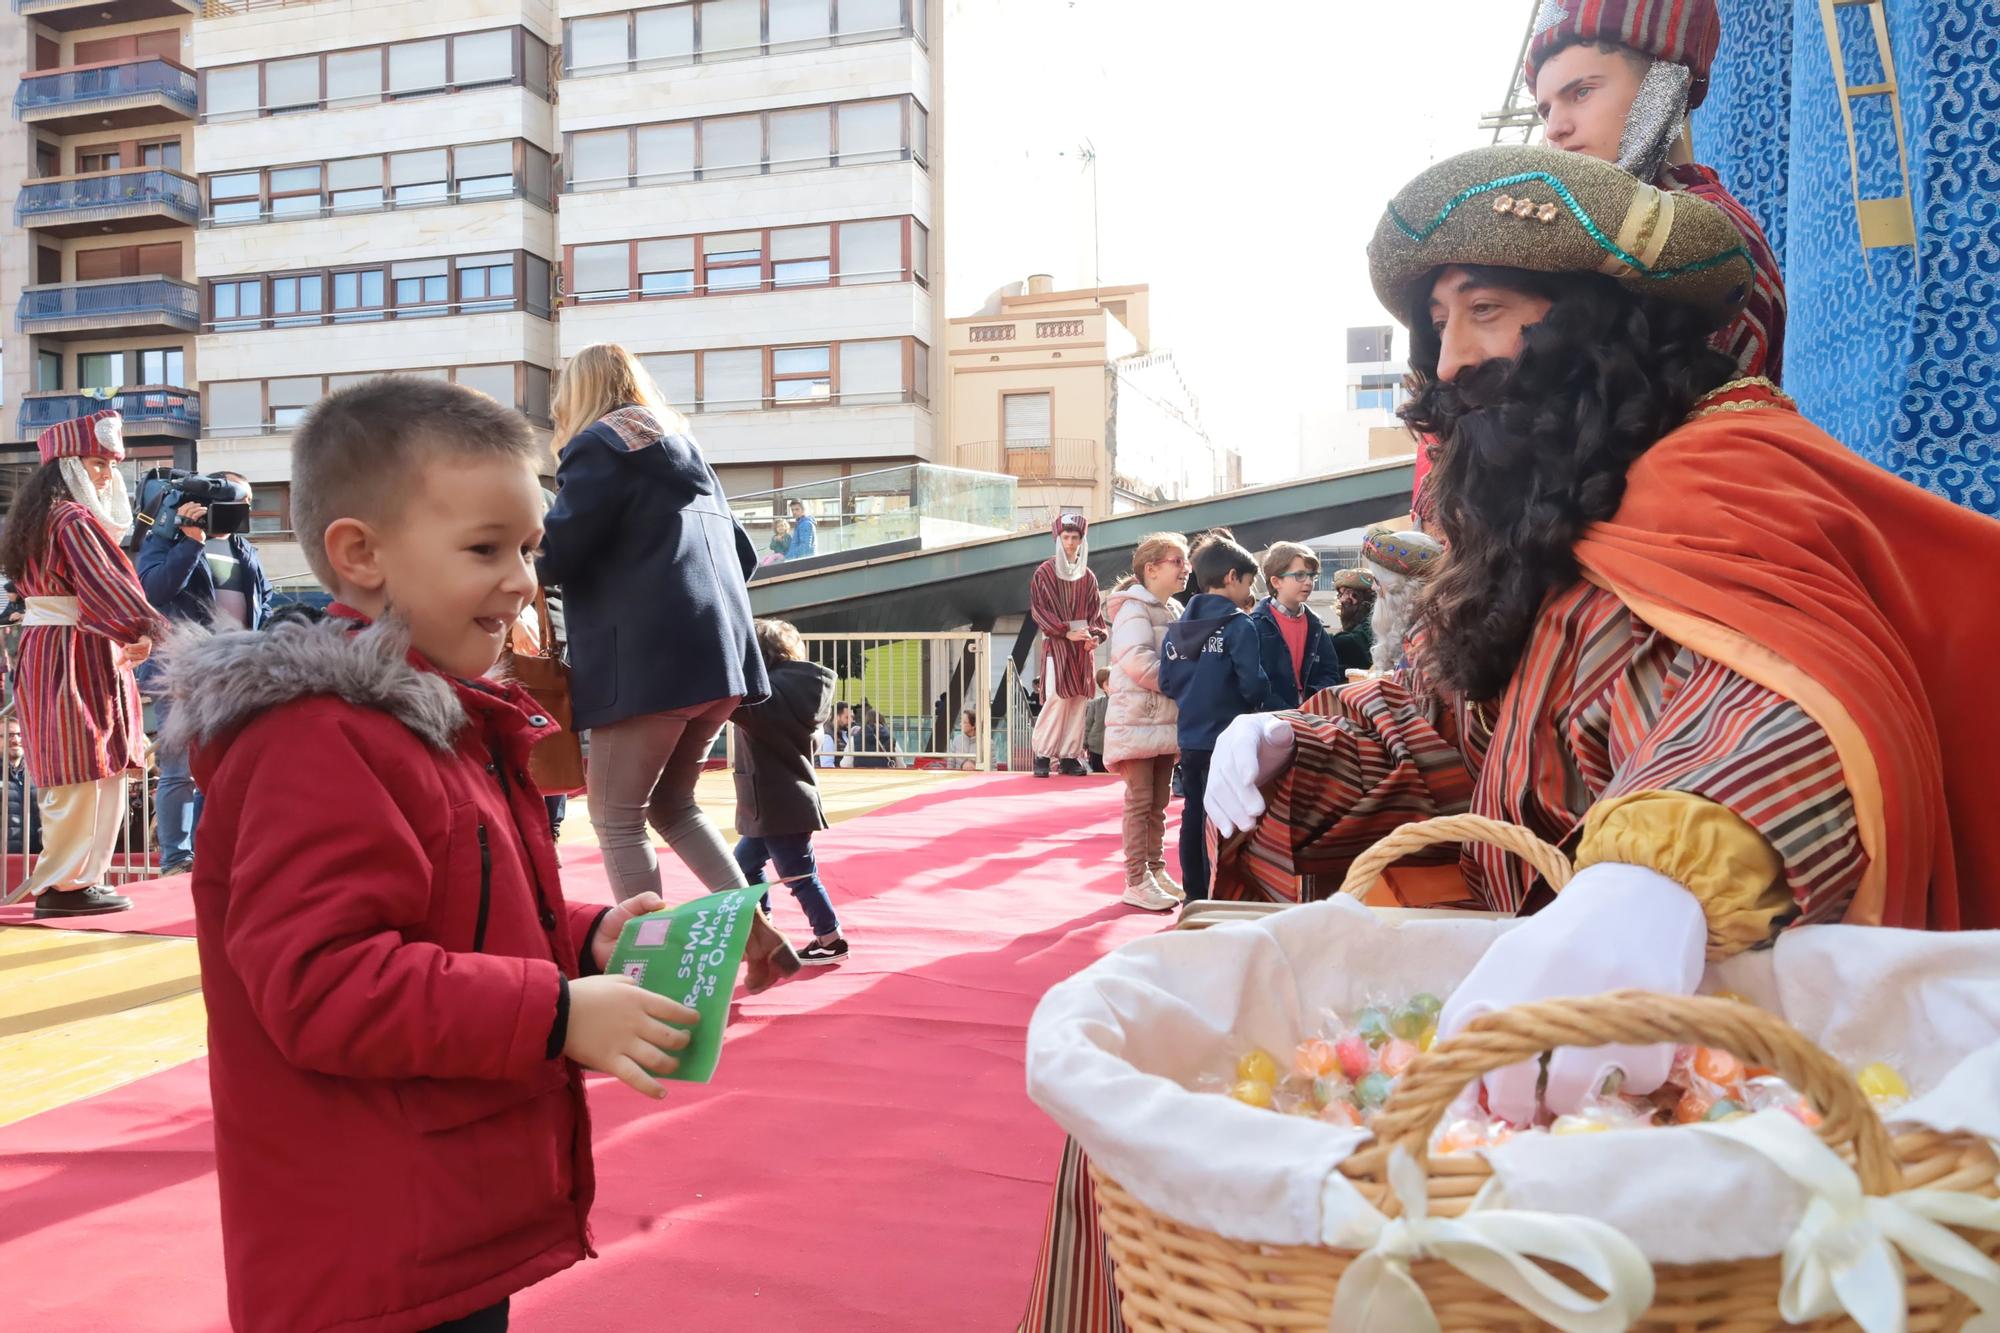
{"x":1299,"y":659}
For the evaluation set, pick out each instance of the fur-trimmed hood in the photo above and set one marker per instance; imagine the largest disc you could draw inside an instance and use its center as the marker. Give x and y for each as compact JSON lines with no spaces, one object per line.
{"x":215,"y":684}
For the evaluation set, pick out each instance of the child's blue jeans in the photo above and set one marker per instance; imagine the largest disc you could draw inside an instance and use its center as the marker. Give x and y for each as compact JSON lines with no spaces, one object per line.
{"x":792,"y":854}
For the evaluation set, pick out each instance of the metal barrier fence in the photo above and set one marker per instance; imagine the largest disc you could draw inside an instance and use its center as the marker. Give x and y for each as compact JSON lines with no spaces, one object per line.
{"x":21,"y":830}
{"x":909,"y":694}
{"x":1018,"y":724}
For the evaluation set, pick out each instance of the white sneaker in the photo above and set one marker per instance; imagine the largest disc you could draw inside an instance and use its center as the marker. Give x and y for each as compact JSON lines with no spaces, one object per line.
{"x":1166,"y":882}
{"x":1150,"y":896}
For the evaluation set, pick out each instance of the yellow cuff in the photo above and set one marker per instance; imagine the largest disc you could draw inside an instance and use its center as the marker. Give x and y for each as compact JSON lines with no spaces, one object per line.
{"x":1728,"y":865}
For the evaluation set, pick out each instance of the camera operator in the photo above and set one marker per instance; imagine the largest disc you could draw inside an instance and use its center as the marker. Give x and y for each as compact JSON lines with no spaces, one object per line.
{"x":197,"y":566}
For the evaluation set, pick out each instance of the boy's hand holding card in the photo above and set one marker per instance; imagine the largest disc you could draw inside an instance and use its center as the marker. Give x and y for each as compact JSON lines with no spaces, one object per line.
{"x":690,"y":954}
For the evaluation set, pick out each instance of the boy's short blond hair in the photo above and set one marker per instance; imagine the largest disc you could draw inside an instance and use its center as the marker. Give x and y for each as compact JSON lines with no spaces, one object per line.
{"x":1279,"y":558}
{"x":359,"y":451}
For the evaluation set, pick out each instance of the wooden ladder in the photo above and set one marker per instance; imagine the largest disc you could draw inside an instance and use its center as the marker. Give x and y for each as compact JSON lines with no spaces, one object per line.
{"x":1888,"y":221}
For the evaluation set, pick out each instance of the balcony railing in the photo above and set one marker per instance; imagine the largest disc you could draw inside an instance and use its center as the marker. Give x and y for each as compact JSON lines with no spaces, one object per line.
{"x":71,"y":89}
{"x":1039,"y":460}
{"x":229,"y":9}
{"x":87,"y":198}
{"x":934,"y":505}
{"x":120,"y":300}
{"x":163,"y":404}
{"x":64,"y":17}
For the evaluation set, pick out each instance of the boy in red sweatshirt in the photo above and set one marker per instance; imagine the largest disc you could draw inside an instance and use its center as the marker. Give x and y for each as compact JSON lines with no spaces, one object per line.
{"x":400,"y":1001}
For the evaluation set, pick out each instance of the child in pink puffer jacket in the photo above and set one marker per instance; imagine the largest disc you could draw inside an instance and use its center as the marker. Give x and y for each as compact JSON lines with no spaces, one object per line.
{"x":1140,"y":740}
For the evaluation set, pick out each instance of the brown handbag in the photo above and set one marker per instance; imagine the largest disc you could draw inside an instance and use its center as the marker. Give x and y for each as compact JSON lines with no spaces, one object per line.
{"x":556,"y":762}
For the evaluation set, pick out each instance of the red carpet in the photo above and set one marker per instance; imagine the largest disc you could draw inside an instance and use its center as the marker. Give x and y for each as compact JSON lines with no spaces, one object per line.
{"x":866,"y":1160}
{"x":159,"y":907}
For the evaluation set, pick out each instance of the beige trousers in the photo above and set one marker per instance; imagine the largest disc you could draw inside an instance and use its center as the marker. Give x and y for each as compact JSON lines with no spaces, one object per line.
{"x":1059,"y":730}
{"x":1148,"y":785}
{"x":80,"y":824}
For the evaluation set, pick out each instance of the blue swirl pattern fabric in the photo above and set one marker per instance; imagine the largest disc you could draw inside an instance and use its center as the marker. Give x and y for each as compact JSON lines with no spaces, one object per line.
{"x":1894,"y":350}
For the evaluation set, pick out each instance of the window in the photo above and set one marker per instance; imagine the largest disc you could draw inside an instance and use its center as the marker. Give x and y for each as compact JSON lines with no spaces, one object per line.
{"x":231,"y":93}
{"x":920,"y":23}
{"x":871,"y":251}
{"x":1364,"y":398}
{"x":162,"y":260}
{"x":920,"y":372}
{"x":422,"y":288}
{"x":920,"y":133}
{"x":165,"y":365}
{"x":666,"y":268}
{"x":167,"y":154}
{"x":291,"y":399}
{"x":100,"y":370}
{"x":48,"y":371}
{"x":870,"y":132}
{"x":598,"y":45}
{"x":535,"y":399}
{"x":238,"y":305}
{"x":731,"y":146}
{"x":416,"y":67}
{"x":731,"y":27}
{"x":673,"y":373}
{"x":799,"y":139}
{"x":359,"y":294}
{"x":291,"y":85}
{"x":484,"y":169}
{"x":116,"y":261}
{"x":872,"y":372}
{"x":734,"y":260}
{"x":539,"y":183}
{"x":665,"y":153}
{"x":663,"y":36}
{"x":1026,"y":419}
{"x":599,"y":161}
{"x":801,"y":256}
{"x":732,"y":381}
{"x":295,"y":192}
{"x":297,"y":300}
{"x":482,"y":57}
{"x":354,"y":78}
{"x":233,"y":407}
{"x":235,"y":198}
{"x":270,"y":507}
{"x":89,"y":162}
{"x":485,"y":282}
{"x":418,"y":177}
{"x":801,"y":374}
{"x":920,"y":251}
{"x":496,"y":382}
{"x":598,"y":272}
{"x":537,"y":286}
{"x":48,"y":159}
{"x":798,"y":23}
{"x":859,"y":20}
{"x":355,"y":183}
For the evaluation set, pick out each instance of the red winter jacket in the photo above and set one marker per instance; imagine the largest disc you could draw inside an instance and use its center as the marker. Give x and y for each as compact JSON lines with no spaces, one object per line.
{"x":385,"y":952}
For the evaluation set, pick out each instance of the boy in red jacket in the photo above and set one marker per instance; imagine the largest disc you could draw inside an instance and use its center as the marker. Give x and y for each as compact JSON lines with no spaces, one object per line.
{"x":399,"y":999}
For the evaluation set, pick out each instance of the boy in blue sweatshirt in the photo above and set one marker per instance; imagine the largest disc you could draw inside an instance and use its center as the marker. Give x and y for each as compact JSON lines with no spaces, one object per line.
{"x":1213,"y":668}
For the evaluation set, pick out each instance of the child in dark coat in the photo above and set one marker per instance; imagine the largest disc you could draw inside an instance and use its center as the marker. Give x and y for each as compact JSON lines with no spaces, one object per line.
{"x":1213,"y":668}
{"x":777,"y":799}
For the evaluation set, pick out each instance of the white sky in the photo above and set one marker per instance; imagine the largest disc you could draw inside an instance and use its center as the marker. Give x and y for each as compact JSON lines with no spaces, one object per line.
{"x":1244,"y":155}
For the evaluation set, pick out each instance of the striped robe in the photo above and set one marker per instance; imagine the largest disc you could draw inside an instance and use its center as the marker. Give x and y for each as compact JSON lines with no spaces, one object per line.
{"x":1756,"y":337}
{"x":81,"y":719}
{"x":1054,"y":601}
{"x":1602,"y":706}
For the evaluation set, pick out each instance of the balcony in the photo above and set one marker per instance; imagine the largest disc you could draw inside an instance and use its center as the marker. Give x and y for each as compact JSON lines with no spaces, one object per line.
{"x":92,"y":97}
{"x":1040,"y":460}
{"x":109,"y":201}
{"x":110,"y":307}
{"x":152,"y":410}
{"x":69,"y":15}
{"x":230,"y":9}
{"x":917,"y":506}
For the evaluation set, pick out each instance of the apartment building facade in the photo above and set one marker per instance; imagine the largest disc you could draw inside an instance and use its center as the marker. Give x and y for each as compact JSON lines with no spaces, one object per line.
{"x":751,"y":202}
{"x":97,"y":241}
{"x":1065,"y":391}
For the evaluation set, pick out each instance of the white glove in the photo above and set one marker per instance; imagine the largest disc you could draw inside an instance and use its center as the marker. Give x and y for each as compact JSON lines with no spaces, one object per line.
{"x":1249,"y":753}
{"x":1615,"y":926}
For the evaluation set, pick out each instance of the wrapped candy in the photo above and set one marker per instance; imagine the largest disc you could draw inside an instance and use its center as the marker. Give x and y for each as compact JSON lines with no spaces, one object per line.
{"x":1257,"y":1066}
{"x":1883,"y":1085}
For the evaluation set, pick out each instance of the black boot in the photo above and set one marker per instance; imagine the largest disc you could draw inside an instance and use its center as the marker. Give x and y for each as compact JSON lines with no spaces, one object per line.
{"x":94,"y":901}
{"x":1073,"y":768}
{"x":1041,"y":767}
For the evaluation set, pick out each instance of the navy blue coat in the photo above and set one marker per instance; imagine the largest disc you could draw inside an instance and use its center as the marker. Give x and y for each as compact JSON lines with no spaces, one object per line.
{"x":178,"y":581}
{"x":1212,"y":668}
{"x":1320,"y":670}
{"x":654,"y":573}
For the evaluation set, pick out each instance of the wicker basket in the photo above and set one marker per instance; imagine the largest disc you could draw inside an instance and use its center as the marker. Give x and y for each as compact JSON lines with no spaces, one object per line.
{"x":1178,"y":1279}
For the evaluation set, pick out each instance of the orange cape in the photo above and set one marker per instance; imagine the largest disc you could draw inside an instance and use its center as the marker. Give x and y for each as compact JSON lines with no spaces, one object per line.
{"x":1751,"y":536}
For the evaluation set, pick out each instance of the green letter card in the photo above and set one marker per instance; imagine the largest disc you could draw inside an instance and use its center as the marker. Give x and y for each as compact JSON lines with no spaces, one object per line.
{"x":690,"y":953}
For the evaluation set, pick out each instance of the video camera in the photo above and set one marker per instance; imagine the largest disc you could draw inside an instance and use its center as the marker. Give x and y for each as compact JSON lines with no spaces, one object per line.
{"x":165,"y":489}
